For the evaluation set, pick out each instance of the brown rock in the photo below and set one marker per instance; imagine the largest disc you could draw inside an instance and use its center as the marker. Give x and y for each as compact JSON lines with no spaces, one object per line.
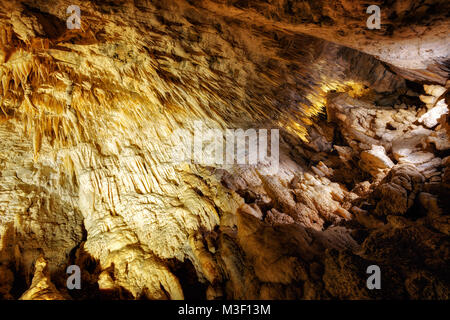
{"x":398,"y":190}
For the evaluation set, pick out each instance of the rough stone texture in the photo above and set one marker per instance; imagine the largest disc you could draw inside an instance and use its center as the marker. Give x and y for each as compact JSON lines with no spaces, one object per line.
{"x":87,"y":125}
{"x":397,"y":192}
{"x":41,"y":287}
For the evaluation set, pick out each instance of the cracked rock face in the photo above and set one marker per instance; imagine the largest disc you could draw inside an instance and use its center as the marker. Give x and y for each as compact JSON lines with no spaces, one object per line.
{"x":88,"y":130}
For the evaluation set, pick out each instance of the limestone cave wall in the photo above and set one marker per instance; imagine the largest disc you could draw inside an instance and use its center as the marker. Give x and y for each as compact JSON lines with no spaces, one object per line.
{"x":87,"y":133}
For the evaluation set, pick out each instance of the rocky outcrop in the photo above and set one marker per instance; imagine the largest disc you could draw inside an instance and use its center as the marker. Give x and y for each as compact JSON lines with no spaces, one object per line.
{"x":41,"y":287}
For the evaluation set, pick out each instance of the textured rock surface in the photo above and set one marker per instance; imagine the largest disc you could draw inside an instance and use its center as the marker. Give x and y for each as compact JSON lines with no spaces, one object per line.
{"x":87,"y":125}
{"x":41,"y":287}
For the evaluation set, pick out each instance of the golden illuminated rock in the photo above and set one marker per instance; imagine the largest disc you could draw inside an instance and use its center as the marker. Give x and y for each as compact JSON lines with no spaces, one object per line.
{"x":88,"y":129}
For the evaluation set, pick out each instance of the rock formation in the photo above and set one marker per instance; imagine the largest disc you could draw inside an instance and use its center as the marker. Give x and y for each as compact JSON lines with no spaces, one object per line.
{"x":88,"y":125}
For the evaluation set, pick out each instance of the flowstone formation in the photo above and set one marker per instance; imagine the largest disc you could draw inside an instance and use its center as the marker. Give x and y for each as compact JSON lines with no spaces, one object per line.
{"x":87,"y":136}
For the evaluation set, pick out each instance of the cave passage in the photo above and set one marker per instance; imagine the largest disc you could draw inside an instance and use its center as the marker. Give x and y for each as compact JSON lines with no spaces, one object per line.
{"x":224,"y":150}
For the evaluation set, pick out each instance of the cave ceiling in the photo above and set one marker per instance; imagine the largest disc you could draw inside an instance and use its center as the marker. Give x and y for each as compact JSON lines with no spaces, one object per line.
{"x":87,"y":133}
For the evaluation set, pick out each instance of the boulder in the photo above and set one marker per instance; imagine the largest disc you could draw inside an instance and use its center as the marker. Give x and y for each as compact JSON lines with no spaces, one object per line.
{"x":375,"y":160}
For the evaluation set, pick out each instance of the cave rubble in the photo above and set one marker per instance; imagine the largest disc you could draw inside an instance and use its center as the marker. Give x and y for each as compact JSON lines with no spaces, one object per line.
{"x":87,"y":132}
